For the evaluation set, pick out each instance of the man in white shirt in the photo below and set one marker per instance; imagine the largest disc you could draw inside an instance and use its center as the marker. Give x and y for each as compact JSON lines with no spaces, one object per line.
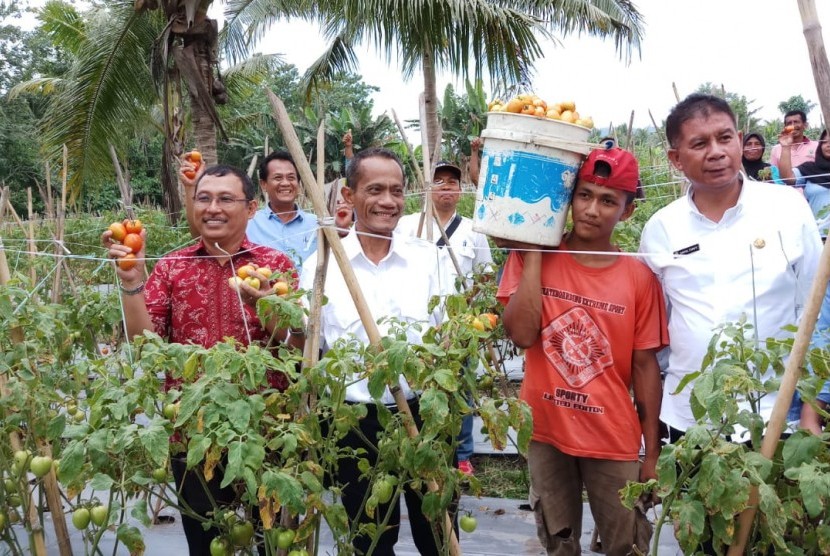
{"x":398,"y":276}
{"x":471,"y":250}
{"x":730,"y":247}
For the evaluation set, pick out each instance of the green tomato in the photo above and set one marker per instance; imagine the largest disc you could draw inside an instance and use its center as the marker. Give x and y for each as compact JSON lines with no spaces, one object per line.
{"x":160,"y":475}
{"x":14,"y":500}
{"x":285,"y":538}
{"x":40,"y":466}
{"x":383,"y":490}
{"x":3,"y":521}
{"x":468,"y":523}
{"x":219,"y":547}
{"x":170,"y":411}
{"x":99,"y":515}
{"x":21,"y":458}
{"x":10,"y":486}
{"x":80,"y":518}
{"x":301,"y":552}
{"x":79,"y":416}
{"x":242,"y":533}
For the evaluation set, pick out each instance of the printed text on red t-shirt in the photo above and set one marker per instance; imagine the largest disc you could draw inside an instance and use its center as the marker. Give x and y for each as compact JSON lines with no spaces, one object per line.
{"x":586,"y":301}
{"x":574,"y":400}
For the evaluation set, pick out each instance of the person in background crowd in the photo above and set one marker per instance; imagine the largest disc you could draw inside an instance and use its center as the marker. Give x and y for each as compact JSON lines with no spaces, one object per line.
{"x":813,"y":176}
{"x":283,"y":225}
{"x":803,"y":149}
{"x":592,"y":322}
{"x":753,"y":157}
{"x":471,"y":250}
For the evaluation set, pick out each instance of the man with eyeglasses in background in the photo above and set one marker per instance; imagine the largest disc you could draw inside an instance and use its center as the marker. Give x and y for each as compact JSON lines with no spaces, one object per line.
{"x":471,"y":251}
{"x":282,"y":224}
{"x":187,"y":299}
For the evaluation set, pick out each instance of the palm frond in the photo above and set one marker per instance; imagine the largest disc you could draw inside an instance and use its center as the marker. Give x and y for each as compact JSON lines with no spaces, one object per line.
{"x":338,"y":57}
{"x":107,"y":93}
{"x":248,"y":21}
{"x":64,"y":25}
{"x":44,"y":86}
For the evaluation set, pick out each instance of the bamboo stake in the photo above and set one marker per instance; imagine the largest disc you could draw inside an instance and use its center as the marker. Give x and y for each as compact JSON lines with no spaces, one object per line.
{"x":14,"y":437}
{"x":252,"y":166}
{"x":56,"y":283}
{"x":372,"y":332}
{"x":31,"y":235}
{"x":630,"y":130}
{"x":821,"y":74}
{"x":50,"y":204}
{"x":674,"y":88}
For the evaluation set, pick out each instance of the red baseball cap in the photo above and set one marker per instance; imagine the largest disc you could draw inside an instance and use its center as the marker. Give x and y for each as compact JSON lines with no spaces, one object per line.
{"x":625,"y":173}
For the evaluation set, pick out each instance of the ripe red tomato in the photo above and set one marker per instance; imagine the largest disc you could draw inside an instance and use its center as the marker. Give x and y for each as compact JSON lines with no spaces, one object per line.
{"x":133,"y":226}
{"x":134,"y":242}
{"x":118,"y":231}
{"x":127,"y":262}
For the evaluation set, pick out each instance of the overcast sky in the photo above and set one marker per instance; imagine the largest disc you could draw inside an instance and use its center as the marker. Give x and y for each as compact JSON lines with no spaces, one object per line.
{"x":754,"y":48}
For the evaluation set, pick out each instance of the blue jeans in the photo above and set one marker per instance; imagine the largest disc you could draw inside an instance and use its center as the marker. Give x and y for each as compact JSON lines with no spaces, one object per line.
{"x":820,"y":339}
{"x":465,"y":439}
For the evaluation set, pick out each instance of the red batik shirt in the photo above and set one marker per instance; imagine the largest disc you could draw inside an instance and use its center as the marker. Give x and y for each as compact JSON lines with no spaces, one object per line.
{"x":190,"y":301}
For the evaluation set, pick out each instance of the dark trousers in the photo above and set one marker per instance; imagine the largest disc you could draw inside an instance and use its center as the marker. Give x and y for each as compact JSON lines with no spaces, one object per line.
{"x":355,"y":488}
{"x":192,"y":494}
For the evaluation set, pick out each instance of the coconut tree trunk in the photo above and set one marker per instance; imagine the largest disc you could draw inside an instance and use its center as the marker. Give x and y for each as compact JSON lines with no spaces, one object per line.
{"x":430,"y":101}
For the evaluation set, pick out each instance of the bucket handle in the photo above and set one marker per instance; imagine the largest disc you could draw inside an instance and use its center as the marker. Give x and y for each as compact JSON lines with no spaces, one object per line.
{"x":580,"y":147}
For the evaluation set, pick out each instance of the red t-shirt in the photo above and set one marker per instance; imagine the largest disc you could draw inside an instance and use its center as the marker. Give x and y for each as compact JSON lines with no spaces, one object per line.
{"x":578,"y":373}
{"x":190,"y":301}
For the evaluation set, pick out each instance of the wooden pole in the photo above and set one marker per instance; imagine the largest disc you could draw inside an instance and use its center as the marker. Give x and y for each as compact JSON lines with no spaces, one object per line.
{"x":56,"y":283}
{"x":630,"y":130}
{"x":821,"y":75}
{"x":372,"y":332}
{"x":31,"y":234}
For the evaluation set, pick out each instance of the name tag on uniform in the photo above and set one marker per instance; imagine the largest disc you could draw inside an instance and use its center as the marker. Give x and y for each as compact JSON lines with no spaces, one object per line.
{"x":688,"y":250}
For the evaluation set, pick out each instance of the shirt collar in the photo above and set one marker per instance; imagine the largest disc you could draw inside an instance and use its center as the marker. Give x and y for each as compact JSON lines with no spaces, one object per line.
{"x":244,"y":248}
{"x":299,"y":214}
{"x":351,"y":244}
{"x":738,"y":204}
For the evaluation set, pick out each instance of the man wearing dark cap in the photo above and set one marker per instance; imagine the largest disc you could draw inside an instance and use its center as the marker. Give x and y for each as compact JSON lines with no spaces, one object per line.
{"x":592,"y":322}
{"x":471,"y":250}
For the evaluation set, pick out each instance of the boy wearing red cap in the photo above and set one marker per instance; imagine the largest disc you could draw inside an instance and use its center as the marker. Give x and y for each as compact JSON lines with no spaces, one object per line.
{"x":592,"y":322}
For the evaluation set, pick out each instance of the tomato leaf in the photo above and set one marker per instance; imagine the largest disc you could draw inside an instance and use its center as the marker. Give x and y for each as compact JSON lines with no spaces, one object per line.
{"x":100,"y":481}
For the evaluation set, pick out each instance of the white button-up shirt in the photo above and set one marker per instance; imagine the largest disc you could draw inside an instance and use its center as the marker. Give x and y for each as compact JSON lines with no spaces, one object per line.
{"x":400,"y":286}
{"x":758,"y":261}
{"x":470,"y":248}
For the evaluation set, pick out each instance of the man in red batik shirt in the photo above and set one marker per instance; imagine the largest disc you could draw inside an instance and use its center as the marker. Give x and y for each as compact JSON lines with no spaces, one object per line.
{"x":187,"y":299}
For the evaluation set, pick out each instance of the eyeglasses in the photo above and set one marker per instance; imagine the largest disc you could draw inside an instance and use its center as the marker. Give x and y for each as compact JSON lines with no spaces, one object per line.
{"x":224,"y":201}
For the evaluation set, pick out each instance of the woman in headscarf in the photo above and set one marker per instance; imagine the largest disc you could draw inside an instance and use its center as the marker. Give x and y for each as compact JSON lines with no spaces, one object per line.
{"x":754,"y":146}
{"x":814,"y":177}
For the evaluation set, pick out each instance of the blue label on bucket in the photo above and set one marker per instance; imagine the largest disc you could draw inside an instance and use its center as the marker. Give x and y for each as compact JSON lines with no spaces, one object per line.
{"x":530,"y":178}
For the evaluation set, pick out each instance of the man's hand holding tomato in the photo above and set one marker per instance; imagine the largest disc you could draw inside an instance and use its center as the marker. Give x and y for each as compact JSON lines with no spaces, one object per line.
{"x":249,"y":294}
{"x":131,"y":277}
{"x":190,"y":170}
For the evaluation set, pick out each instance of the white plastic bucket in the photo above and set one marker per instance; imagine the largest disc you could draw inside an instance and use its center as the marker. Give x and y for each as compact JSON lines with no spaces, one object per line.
{"x":528,"y":170}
